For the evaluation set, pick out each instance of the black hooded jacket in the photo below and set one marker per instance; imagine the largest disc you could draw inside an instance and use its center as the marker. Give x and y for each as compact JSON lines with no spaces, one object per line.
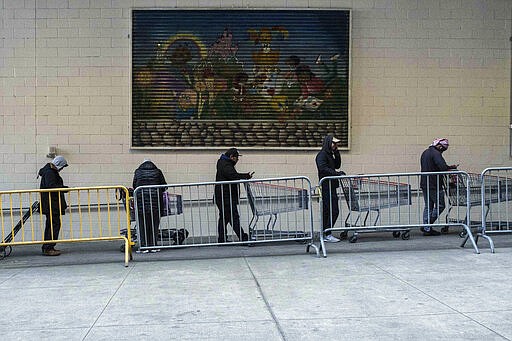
{"x":149,"y":174}
{"x":432,"y":161}
{"x":226,"y":172}
{"x":50,"y":178}
{"x":327,"y":161}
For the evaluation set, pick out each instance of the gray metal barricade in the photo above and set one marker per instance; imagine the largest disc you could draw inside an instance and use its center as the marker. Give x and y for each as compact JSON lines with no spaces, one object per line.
{"x":475,"y":183}
{"x":209,"y":213}
{"x":267,"y":199}
{"x":395,"y":200}
{"x":496,"y":202}
{"x":364,"y":195}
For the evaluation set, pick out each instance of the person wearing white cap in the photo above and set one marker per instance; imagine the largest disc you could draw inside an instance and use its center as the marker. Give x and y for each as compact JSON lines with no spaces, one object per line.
{"x":327,"y":161}
{"x":433,"y":185}
{"x":53,"y":204}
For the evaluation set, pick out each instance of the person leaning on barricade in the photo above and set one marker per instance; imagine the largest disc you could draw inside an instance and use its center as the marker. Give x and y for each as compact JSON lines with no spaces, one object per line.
{"x":327,"y":161}
{"x":53,"y":204}
{"x":150,"y":202}
{"x":432,"y":160}
{"x":227,"y":195}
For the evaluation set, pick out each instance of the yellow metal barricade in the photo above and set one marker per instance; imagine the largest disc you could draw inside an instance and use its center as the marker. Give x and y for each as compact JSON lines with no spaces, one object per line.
{"x":92,"y":214}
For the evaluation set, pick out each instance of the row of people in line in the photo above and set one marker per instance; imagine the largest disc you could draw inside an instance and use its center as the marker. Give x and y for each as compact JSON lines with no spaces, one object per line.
{"x":328,"y":162}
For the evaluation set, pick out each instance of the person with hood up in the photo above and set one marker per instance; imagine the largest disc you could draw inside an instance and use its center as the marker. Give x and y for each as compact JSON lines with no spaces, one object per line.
{"x":53,"y":204}
{"x":227,"y":195}
{"x":433,"y":185}
{"x":327,"y":161}
{"x":150,"y":201}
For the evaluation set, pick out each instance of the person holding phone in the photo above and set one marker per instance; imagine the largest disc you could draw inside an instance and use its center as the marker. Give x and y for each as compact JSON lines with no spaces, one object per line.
{"x":433,"y":186}
{"x":227,"y":195}
{"x":328,"y":160}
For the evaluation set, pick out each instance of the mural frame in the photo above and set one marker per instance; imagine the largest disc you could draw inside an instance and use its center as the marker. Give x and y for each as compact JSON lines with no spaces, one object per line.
{"x":240,"y":130}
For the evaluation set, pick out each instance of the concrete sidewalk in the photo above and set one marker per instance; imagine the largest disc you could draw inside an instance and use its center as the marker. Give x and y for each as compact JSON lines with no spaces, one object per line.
{"x":376,"y":289}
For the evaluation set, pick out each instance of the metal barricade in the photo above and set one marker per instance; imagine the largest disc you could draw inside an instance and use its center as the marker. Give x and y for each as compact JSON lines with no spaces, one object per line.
{"x":364,"y":195}
{"x":172,"y":205}
{"x":496,"y":197}
{"x":394,"y":200}
{"x":457,"y":196}
{"x":222,"y":213}
{"x":92,"y":214}
{"x":267,"y":199}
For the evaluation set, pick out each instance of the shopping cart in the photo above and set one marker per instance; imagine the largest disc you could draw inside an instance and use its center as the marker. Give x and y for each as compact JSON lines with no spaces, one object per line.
{"x":270,"y":200}
{"x":364,"y":195}
{"x":5,"y":251}
{"x":173,"y":205}
{"x":497,"y":190}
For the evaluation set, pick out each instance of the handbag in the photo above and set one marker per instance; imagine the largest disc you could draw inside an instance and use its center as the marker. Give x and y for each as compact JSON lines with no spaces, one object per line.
{"x":173,"y":204}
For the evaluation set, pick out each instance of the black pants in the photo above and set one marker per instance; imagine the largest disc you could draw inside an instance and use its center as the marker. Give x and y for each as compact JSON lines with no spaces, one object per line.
{"x":51,"y":230}
{"x":149,"y":223}
{"x":228,"y":214}
{"x":330,"y":208}
{"x":434,"y":204}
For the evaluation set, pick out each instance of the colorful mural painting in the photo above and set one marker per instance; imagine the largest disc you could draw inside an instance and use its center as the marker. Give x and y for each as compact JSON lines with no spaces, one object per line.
{"x":259,"y":78}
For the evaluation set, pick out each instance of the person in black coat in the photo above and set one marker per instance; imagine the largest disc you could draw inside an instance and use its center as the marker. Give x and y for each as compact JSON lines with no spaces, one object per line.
{"x":432,"y":186}
{"x":150,"y":202}
{"x":227,"y":195}
{"x":53,"y":204}
{"x":327,"y":161}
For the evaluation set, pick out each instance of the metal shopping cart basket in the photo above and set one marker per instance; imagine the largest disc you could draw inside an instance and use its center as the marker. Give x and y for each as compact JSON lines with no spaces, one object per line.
{"x":364,"y":195}
{"x":497,"y":189}
{"x":270,"y":200}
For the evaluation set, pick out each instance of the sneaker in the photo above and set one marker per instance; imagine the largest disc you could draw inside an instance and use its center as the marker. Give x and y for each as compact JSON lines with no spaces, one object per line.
{"x":331,"y":239}
{"x":431,"y":232}
{"x":142,"y":251}
{"x":51,"y":252}
{"x":318,"y":60}
{"x":334,"y":57}
{"x":154,"y":250}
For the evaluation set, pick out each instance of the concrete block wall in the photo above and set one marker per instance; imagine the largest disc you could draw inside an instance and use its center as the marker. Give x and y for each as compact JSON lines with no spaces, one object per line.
{"x":420,"y":69}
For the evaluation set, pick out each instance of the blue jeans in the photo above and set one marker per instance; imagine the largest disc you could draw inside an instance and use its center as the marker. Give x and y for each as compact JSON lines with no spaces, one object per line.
{"x":434,"y":205}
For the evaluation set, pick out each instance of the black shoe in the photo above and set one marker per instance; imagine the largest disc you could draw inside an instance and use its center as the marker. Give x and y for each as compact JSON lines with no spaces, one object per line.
{"x":51,"y":252}
{"x":431,"y":232}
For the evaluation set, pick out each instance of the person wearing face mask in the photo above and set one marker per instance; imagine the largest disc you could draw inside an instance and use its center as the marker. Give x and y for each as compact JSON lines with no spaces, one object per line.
{"x":227,"y":195}
{"x":432,"y":160}
{"x":327,"y":161}
{"x":53,"y":204}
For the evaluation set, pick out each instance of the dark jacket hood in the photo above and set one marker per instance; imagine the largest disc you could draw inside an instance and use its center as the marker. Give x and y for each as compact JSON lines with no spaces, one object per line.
{"x":225,"y":157}
{"x":327,"y":144}
{"x":147,"y":165}
{"x":45,"y":169}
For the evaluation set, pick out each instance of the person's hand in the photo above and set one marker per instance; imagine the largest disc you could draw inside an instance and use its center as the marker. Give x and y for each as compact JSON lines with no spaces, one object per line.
{"x":251,"y":174}
{"x":341,"y":173}
{"x":453,"y":166}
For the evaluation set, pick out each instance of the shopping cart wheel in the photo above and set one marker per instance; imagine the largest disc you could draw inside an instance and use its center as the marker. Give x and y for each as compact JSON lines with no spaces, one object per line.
{"x":122,"y":248}
{"x":353,"y":239}
{"x":5,"y":251}
{"x":405,"y":235}
{"x":462,"y":234}
{"x":396,"y":234}
{"x":444,"y":229}
{"x":344,"y":235}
